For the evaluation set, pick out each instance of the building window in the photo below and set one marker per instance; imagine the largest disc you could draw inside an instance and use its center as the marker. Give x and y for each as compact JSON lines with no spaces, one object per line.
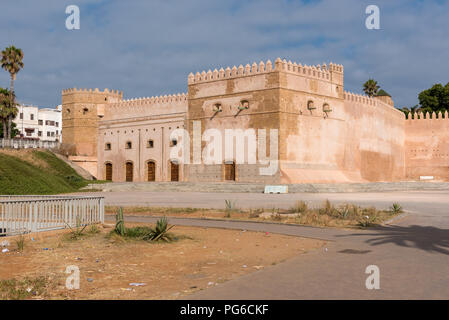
{"x":57,"y":132}
{"x":107,"y":146}
{"x":173,"y":142}
{"x":128,"y":145}
{"x":31,"y":116}
{"x":21,"y":115}
{"x":48,"y":133}
{"x":40,"y":122}
{"x":85,"y":110}
{"x":57,"y":124}
{"x":150,"y":144}
{"x":39,"y":133}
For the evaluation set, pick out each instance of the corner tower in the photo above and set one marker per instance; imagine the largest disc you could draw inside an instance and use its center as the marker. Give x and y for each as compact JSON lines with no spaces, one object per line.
{"x":81,"y":110}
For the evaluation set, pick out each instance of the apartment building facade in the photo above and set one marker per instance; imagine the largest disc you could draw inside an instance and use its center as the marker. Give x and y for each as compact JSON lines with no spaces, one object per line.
{"x":41,"y":124}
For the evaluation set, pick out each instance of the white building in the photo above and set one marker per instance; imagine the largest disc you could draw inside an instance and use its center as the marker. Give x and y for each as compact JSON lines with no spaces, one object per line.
{"x":44,"y":124}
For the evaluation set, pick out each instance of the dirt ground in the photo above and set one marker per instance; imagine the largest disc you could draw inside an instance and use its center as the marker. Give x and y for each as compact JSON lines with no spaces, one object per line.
{"x":311,"y":217}
{"x":203,"y":257}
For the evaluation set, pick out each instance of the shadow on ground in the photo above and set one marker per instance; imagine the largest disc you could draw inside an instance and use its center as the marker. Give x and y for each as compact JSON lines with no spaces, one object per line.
{"x":426,"y":238}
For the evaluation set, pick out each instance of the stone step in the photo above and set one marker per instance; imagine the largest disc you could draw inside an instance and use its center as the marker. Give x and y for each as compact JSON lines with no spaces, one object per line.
{"x":259,"y":188}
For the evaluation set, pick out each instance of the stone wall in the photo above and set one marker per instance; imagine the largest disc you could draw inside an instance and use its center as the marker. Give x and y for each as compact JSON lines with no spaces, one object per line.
{"x":427,"y":146}
{"x":138,"y":121}
{"x":325,"y":134}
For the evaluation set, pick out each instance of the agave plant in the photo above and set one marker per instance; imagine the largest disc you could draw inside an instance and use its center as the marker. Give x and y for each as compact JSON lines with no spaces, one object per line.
{"x":396,"y":208}
{"x":119,"y":223}
{"x":160,"y":231}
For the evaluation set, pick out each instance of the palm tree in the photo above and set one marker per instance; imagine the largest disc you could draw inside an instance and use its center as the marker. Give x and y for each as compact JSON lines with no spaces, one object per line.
{"x":370,"y":88}
{"x":12,"y":62}
{"x":8,"y":110}
{"x":4,"y":97}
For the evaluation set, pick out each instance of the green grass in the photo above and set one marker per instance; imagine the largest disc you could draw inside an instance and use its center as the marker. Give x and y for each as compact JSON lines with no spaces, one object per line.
{"x":20,"y":177}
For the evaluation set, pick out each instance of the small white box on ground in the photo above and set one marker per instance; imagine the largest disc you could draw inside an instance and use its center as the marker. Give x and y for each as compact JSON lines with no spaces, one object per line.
{"x":276,"y":189}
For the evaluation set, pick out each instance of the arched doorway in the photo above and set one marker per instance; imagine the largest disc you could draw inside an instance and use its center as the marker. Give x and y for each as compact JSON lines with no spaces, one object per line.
{"x":229,"y":171}
{"x":129,"y":171}
{"x":174,"y":171}
{"x":151,"y":168}
{"x":108,"y":169}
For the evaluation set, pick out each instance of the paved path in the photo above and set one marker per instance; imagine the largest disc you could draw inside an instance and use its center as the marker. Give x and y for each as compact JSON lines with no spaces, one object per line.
{"x":412,"y":253}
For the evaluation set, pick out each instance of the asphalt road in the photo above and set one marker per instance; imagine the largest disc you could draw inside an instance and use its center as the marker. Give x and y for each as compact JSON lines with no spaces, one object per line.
{"x":412,"y":252}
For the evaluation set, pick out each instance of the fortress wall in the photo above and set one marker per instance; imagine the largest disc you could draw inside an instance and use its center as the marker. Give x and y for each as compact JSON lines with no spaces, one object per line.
{"x":138,"y":132}
{"x":258,"y":85}
{"x":361,"y":139}
{"x":376,"y":139}
{"x":276,"y":94}
{"x":427,"y":146}
{"x":142,"y":107}
{"x":311,"y":140}
{"x":138,"y":121}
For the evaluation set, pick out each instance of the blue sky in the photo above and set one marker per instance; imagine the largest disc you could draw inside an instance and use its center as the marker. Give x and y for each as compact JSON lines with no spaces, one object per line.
{"x":146,"y":47}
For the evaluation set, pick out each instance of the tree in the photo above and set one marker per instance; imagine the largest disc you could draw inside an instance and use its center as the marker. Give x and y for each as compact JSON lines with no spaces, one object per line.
{"x":4,"y":103}
{"x":370,"y":87}
{"x":435,"y":99}
{"x":8,"y":110}
{"x":12,"y":62}
{"x":14,"y":130}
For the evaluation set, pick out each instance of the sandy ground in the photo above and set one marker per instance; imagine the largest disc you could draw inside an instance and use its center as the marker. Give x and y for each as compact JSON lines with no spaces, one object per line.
{"x":202,"y":258}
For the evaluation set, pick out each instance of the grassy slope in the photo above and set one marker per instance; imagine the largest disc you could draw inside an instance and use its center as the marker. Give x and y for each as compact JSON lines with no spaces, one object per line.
{"x":21,"y":177}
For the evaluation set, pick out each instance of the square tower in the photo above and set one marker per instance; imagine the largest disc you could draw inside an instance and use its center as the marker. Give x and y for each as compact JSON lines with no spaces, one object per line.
{"x":259,"y":98}
{"x":81,"y":110}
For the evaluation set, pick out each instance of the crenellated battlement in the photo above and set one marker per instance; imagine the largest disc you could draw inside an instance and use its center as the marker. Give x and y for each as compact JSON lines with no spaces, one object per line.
{"x":350,"y":96}
{"x":180,"y":97}
{"x":317,"y":71}
{"x":428,"y":116}
{"x":96,"y":90}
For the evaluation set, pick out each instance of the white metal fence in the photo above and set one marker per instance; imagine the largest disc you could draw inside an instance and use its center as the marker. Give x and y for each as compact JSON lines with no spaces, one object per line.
{"x":24,"y":144}
{"x":24,"y":214}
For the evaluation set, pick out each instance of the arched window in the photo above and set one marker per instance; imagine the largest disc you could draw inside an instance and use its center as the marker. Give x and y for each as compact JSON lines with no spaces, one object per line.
{"x":128,"y":145}
{"x":150,"y":144}
{"x":107,"y":146}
